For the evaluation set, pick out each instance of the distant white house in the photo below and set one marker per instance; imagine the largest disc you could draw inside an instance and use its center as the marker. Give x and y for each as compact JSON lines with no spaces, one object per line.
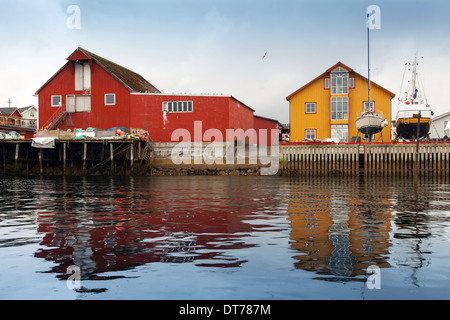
{"x":438,"y":125}
{"x":29,"y":116}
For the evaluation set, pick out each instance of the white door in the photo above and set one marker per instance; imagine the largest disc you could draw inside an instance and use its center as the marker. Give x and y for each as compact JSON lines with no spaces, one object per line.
{"x":83,"y":104}
{"x":70,"y":104}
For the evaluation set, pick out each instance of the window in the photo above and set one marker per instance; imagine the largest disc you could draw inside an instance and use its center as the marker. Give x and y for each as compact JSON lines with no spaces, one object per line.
{"x":339,"y":81}
{"x":352,"y":83}
{"x":310,"y":107}
{"x":56,"y":101}
{"x":339,"y":108}
{"x":310,"y":134}
{"x":83,"y":103}
{"x":110,"y":99}
{"x":369,"y":108}
{"x":70,"y":103}
{"x":339,"y":131}
{"x":82,"y":75}
{"x":178,"y":106}
{"x":327,"y":83}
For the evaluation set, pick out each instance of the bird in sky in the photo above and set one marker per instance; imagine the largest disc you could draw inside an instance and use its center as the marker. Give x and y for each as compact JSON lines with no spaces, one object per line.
{"x":265,"y":55}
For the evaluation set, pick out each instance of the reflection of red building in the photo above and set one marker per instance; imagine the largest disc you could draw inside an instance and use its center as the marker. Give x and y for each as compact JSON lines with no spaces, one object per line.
{"x":121,"y":231}
{"x":91,"y":91}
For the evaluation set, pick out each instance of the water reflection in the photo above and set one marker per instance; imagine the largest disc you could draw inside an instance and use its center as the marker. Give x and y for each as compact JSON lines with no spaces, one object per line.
{"x":342,"y":226}
{"x":339,"y":227}
{"x":118,"y":224}
{"x":332,"y":228}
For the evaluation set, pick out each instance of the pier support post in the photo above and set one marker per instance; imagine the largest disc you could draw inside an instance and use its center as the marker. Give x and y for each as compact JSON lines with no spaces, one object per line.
{"x":111,"y":149}
{"x":41,"y":168}
{"x":16,"y":159}
{"x":84,"y":158}
{"x":64,"y":158}
{"x":4,"y":159}
{"x":132,"y":157}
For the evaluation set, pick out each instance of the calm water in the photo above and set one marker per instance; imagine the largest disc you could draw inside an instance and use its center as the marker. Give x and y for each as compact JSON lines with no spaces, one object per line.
{"x":224,"y":238}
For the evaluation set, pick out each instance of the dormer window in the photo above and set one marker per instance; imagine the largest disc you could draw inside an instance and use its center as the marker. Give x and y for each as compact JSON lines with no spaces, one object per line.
{"x":339,"y":81}
{"x":82,"y":75}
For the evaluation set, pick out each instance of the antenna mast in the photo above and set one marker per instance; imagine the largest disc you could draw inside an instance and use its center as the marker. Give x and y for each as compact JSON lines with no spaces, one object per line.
{"x":368,"y":61}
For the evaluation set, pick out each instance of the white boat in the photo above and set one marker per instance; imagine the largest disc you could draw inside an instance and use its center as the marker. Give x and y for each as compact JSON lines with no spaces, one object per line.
{"x":370,"y":122}
{"x":414,"y":113}
{"x":447,"y":130}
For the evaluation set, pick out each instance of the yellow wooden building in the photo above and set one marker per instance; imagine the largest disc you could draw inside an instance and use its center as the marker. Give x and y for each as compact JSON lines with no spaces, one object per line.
{"x":328,"y":106}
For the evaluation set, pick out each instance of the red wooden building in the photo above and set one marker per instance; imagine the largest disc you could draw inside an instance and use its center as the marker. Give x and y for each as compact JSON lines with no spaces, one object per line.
{"x":91,"y":91}
{"x":267,"y":124}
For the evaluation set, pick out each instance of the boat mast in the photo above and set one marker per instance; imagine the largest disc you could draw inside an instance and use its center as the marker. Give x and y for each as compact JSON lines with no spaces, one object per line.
{"x":414,"y":79}
{"x":368,"y":61}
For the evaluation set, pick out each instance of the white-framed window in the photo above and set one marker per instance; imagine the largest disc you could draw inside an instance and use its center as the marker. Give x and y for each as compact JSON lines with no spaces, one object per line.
{"x":83,"y":103}
{"x":110,"y":99}
{"x":339,"y":108}
{"x":56,"y":101}
{"x":339,"y":131}
{"x":326,"y":84}
{"x":369,"y":107}
{"x":70,"y":103}
{"x":82,"y":75}
{"x":310,"y":134}
{"x":339,"y":81}
{"x":310,"y":107}
{"x":352,"y":83}
{"x":178,"y":106}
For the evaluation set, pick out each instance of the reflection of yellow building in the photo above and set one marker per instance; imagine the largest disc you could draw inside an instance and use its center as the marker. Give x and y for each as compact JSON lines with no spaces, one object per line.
{"x":328,"y":106}
{"x":336,"y":234}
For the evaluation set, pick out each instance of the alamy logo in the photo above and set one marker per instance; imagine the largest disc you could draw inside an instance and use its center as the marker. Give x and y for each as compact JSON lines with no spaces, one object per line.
{"x":373,"y":17}
{"x":374,"y":280}
{"x":237,"y":147}
{"x":74,"y":19}
{"x":74,"y":280}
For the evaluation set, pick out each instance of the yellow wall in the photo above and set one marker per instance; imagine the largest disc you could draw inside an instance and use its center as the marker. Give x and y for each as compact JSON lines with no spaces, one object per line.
{"x":321,"y":120}
{"x":300,"y":121}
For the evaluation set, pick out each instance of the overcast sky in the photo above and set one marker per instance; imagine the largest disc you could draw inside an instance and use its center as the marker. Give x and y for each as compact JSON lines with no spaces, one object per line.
{"x":217,"y":46}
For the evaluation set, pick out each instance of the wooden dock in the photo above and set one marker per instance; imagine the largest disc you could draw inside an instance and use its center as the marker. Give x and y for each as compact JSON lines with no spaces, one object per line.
{"x":73,"y":157}
{"x":128,"y":156}
{"x":361,"y":159}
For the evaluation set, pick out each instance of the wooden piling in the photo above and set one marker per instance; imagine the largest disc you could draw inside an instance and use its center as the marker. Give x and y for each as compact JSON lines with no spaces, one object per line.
{"x":111,"y":150}
{"x":64,"y":158}
{"x":375,"y":159}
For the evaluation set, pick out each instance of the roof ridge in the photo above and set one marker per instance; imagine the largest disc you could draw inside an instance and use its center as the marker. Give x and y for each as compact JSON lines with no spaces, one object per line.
{"x":97,"y":57}
{"x":142,"y":86}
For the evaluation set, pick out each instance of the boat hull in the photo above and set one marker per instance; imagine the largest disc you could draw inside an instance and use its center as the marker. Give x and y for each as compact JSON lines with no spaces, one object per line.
{"x":370,"y":124}
{"x":407,"y":129}
{"x":407,"y":118}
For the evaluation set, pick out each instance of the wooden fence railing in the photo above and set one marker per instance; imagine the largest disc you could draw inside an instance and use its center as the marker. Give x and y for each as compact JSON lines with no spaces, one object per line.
{"x":376,"y":159}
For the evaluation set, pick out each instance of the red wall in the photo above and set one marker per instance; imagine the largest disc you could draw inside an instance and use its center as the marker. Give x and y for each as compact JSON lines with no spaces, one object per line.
{"x":63,"y":83}
{"x":143,"y":111}
{"x":101,"y":116}
{"x":268,"y":125}
{"x":214,"y":112}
